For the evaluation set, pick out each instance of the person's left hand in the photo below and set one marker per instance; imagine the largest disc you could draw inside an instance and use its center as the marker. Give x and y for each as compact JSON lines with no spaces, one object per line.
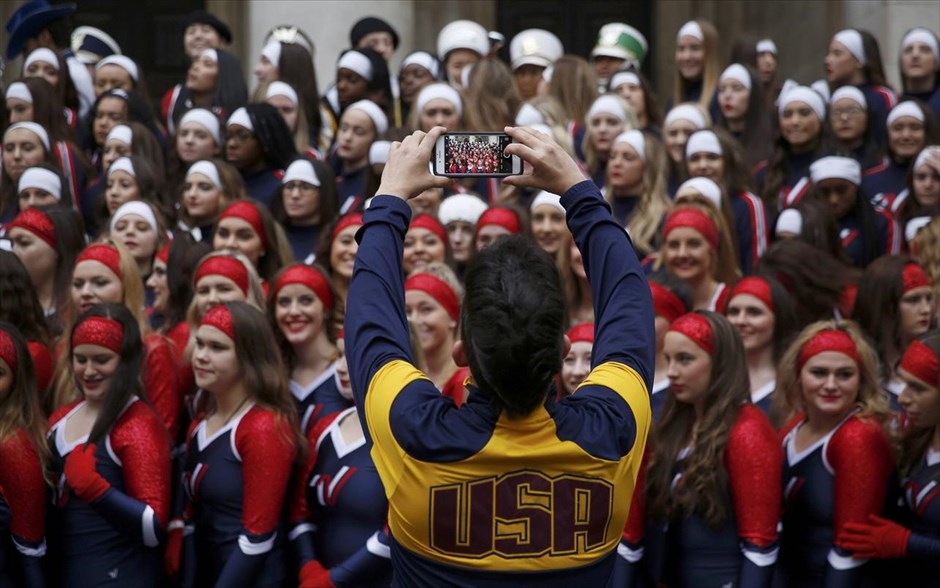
{"x":408,"y":172}
{"x":878,"y":538}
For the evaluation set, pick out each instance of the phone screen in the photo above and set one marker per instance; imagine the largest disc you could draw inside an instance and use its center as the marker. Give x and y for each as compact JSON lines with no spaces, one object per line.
{"x":477,"y":154}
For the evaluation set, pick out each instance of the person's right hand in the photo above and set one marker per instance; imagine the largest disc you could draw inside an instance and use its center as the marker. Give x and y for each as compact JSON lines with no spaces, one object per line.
{"x":552,"y":169}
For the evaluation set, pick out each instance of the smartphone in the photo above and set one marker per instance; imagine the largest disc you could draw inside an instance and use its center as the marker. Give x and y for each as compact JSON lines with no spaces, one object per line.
{"x":474,"y":155}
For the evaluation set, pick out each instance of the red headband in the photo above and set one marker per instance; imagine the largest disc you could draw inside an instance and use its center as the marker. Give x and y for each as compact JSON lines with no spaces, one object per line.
{"x":309,"y":277}
{"x":164,"y":253}
{"x":920,"y":361}
{"x":341,"y":334}
{"x":914,"y":277}
{"x":102,"y":253}
{"x":828,"y":340}
{"x":225,"y":266}
{"x":697,"y":328}
{"x":757,"y":287}
{"x":350,"y":220}
{"x":583,"y":332}
{"x":100,"y":331}
{"x":221,"y":318}
{"x":693,"y":219}
{"x":36,"y":222}
{"x":665,"y":303}
{"x":437,"y":289}
{"x":8,"y":351}
{"x":503,"y":217}
{"x":426,"y":221}
{"x":248,"y":212}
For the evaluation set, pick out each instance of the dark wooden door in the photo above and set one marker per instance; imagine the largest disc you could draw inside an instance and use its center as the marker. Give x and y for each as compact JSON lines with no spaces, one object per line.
{"x":575,"y":22}
{"x":150,"y":33}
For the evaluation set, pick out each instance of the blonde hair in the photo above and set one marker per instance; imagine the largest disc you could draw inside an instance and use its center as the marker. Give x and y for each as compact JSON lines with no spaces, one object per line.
{"x":591,"y":156}
{"x":654,"y":201}
{"x":574,"y":85}
{"x":724,"y":264}
{"x":927,"y":243}
{"x":788,"y":399}
{"x":711,"y":68}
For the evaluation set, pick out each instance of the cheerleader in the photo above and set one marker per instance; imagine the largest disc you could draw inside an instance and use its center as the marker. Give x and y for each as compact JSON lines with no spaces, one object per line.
{"x":837,"y":458}
{"x":681,"y":121}
{"x":921,"y":195}
{"x":338,"y":505}
{"x":418,"y":69}
{"x":547,"y":220}
{"x":305,"y":204}
{"x":23,"y":456}
{"x":437,"y":104}
{"x":210,"y":185}
{"x":338,"y":252}
{"x":637,"y":89}
{"x":919,"y":67}
{"x":496,"y":222}
{"x":918,"y":540}
{"x":259,"y":144}
{"x":239,"y":454}
{"x":697,"y":63}
{"x":361,"y":124}
{"x":302,"y":308}
{"x":20,"y":307}
{"x":713,"y":488}
{"x":25,"y":145}
{"x":459,"y":213}
{"x":762,"y":312}
{"x":246,"y":227}
{"x":672,"y":298}
{"x":425,"y":243}
{"x":214,"y":81}
{"x":743,"y":111}
{"x":609,"y":116}
{"x":197,"y":137}
{"x":577,"y":363}
{"x":140,"y":229}
{"x":110,"y":461}
{"x":852,"y":127}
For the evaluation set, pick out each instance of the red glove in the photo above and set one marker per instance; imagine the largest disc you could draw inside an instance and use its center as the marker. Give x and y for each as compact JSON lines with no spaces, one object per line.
{"x":314,"y":575}
{"x":880,"y":538}
{"x":81,"y":475}
{"x":174,"y":548}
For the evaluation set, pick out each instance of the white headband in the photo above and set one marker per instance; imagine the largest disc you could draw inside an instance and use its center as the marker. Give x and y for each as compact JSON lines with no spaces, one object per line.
{"x":122,"y":134}
{"x":206,"y":120}
{"x":852,"y":40}
{"x":789,"y":221}
{"x":850,"y":92}
{"x":608,"y":104}
{"x":379,"y":120}
{"x":461,"y":207}
{"x":378,"y":152}
{"x":422,"y":59}
{"x":240,"y":117}
{"x":834,"y":167}
{"x":925,"y":153}
{"x":356,"y":62}
{"x":906,"y":108}
{"x":433,"y":91}
{"x":529,"y":115}
{"x":122,"y":164}
{"x":544,"y":197}
{"x":738,"y":73}
{"x":302,"y":170}
{"x":34,"y":128}
{"x":766,"y":46}
{"x":19,"y":91}
{"x":704,"y":186}
{"x":914,"y":225}
{"x":624,"y":77}
{"x":544,"y":129}
{"x":635,"y":139}
{"x":686,"y":112}
{"x":208,"y":169}
{"x":702,"y":142}
{"x":42,"y":54}
{"x":139,"y":208}
{"x":807,"y":96}
{"x":547,"y":74}
{"x":42,"y":179}
{"x":279,"y":88}
{"x":211,"y":53}
{"x":273,"y":52}
{"x":691,"y":29}
{"x":922,"y":35}
{"x":465,"y":75}
{"x":122,"y":61}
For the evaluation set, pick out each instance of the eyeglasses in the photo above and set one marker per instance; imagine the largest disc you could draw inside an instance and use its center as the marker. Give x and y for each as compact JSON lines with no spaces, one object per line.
{"x":847,"y":112}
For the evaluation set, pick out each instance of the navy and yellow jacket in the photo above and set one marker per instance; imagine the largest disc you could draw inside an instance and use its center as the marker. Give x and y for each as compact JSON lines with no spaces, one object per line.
{"x":476,"y":498}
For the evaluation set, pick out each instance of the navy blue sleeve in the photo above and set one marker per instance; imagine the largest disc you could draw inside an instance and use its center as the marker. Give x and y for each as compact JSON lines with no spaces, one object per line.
{"x":623,"y":306}
{"x":132,"y":517}
{"x":376,"y":327}
{"x":923,"y":547}
{"x":369,"y":563}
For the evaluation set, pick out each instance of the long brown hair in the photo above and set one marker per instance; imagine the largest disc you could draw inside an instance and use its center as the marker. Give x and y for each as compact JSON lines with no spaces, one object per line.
{"x":574,"y":85}
{"x":915,"y":442}
{"x":20,"y":408}
{"x":704,"y":487}
{"x":491,"y":100}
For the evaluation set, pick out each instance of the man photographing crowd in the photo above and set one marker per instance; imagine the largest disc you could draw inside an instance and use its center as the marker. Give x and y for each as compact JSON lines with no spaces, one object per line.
{"x":514,"y":486}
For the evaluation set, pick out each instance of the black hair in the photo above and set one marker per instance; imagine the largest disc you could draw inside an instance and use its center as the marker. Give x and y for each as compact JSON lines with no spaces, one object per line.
{"x":138,"y":110}
{"x":379,"y":88}
{"x":184,"y":257}
{"x":512,"y":323}
{"x":70,"y":240}
{"x":274,"y":138}
{"x":125,"y":382}
{"x":19,"y":304}
{"x":231,"y":92}
{"x":756,"y":138}
{"x":866,"y":218}
{"x":295,"y":68}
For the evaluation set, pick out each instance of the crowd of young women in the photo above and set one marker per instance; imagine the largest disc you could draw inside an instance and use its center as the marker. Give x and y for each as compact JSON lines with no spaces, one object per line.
{"x":175,"y":407}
